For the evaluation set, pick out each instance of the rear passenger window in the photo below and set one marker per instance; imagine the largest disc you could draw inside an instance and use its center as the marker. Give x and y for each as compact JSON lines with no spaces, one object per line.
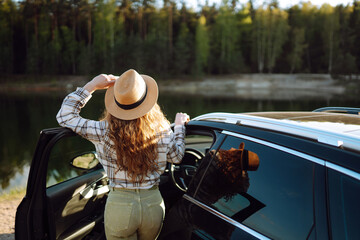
{"x":261,"y":187}
{"x":344,"y":194}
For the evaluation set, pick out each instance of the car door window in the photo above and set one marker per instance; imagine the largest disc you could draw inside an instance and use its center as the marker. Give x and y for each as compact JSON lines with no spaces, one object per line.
{"x":59,"y":168}
{"x":344,"y":197}
{"x":275,"y":198}
{"x":201,"y":143}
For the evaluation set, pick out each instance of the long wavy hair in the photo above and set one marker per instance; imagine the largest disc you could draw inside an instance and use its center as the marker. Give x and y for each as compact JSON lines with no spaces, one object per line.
{"x":136,"y":142}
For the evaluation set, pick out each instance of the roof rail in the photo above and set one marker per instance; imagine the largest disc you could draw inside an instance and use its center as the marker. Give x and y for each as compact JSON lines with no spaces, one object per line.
{"x":329,"y":137}
{"x":346,"y":110}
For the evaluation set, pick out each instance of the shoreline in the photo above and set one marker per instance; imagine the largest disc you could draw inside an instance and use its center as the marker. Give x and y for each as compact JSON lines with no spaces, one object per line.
{"x":242,"y":86}
{"x":263,"y":86}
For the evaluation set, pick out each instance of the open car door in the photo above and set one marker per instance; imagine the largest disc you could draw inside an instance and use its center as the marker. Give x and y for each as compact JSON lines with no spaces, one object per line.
{"x":63,"y":201}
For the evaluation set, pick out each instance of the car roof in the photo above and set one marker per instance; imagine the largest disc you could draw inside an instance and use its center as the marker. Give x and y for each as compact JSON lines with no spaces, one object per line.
{"x":336,"y":129}
{"x":341,"y":123}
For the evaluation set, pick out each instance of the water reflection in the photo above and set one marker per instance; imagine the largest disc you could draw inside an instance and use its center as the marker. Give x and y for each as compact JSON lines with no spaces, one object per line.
{"x":226,"y":181}
{"x":222,"y":182}
{"x":25,"y":115}
{"x":22,"y":119}
{"x":61,"y":156}
{"x":226,"y":174}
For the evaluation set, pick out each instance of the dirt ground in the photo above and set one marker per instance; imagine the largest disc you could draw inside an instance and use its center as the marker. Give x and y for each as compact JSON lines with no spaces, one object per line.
{"x":7,"y":217}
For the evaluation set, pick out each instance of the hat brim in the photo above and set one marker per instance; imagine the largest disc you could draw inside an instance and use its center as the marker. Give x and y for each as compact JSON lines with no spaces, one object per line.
{"x":139,"y":111}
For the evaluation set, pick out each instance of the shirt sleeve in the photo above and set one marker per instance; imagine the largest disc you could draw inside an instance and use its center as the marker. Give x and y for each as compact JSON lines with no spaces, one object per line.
{"x":176,"y":147}
{"x":68,"y":116}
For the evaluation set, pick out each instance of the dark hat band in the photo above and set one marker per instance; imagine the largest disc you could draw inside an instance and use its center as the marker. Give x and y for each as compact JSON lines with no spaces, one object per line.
{"x":133,"y":105}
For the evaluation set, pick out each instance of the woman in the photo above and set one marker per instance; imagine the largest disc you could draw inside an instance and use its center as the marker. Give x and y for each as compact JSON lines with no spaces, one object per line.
{"x":133,"y":142}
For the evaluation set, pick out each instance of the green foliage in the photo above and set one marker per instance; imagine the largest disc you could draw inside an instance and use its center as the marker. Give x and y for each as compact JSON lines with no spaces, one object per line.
{"x":201,"y":46}
{"x":354,"y":32}
{"x":104,"y":36}
{"x":277,"y":35}
{"x":330,"y":28}
{"x":69,"y":47}
{"x":345,"y":64}
{"x":33,"y":56}
{"x":183,"y":50}
{"x":297,"y":49}
{"x":270,"y":34}
{"x":297,"y":44}
{"x":155,"y":51}
{"x":7,"y":19}
{"x":227,"y":54}
{"x":88,"y":37}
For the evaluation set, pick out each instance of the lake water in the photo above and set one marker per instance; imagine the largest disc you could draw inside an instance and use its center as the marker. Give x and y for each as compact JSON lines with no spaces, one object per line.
{"x":25,"y":115}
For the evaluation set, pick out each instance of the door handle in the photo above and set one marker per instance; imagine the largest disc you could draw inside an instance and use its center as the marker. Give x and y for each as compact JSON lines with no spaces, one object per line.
{"x":94,"y":190}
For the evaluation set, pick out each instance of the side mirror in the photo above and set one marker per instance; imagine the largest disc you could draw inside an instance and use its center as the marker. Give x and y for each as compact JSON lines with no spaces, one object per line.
{"x":85,"y":161}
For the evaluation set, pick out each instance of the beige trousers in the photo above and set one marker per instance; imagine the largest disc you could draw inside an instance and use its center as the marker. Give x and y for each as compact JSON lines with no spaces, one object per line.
{"x":134,"y":214}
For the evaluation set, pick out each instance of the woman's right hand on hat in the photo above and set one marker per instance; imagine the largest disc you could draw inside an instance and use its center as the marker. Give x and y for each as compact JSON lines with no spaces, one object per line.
{"x":101,"y":81}
{"x":181,"y":118}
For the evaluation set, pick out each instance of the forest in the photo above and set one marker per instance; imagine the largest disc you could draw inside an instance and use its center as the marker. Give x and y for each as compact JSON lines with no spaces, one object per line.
{"x":167,"y":39}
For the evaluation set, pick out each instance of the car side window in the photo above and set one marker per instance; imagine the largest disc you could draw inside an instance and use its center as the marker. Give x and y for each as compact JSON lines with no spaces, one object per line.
{"x":344,"y":198}
{"x":266,"y":189}
{"x":65,"y":150}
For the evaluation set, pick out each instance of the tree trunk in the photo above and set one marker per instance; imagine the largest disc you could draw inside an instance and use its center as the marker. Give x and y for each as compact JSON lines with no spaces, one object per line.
{"x":36,"y":25}
{"x":260,"y":37}
{"x":170,"y":30}
{"x":53,"y":19}
{"x":89,"y":25}
{"x":73,"y":47}
{"x":140,"y":22}
{"x":331,"y":43}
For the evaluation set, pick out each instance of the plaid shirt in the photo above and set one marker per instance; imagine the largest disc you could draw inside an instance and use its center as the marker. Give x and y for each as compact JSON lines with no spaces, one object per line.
{"x":171,"y":146}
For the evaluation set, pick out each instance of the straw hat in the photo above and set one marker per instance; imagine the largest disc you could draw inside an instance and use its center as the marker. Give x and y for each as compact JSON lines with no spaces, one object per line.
{"x":132,"y":96}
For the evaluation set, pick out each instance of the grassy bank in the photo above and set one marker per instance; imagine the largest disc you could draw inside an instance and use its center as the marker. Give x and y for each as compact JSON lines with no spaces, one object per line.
{"x":16,"y":193}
